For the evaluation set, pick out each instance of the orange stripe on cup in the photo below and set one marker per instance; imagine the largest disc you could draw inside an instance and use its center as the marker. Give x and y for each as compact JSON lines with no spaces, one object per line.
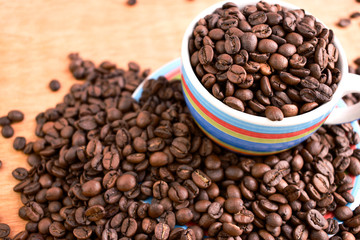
{"x":243,"y":131}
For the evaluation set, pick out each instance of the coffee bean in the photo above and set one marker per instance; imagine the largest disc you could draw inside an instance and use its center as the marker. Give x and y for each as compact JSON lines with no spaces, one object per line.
{"x":343,"y":213}
{"x":205,"y":55}
{"x":316,"y":220}
{"x":4,"y":230}
{"x":91,"y":188}
{"x":19,"y":143}
{"x":300,"y":232}
{"x":244,"y":217}
{"x":257,"y":18}
{"x":201,"y":179}
{"x":95,"y":213}
{"x":344,"y":22}
{"x":125,"y":182}
{"x":178,"y":193}
{"x":234,"y":103}
{"x":20,"y":174}
{"x":4,"y":121}
{"x":267,"y":46}
{"x":274,"y":113}
{"x":261,"y":30}
{"x":289,"y":110}
{"x":7,"y":131}
{"x":278,"y":61}
{"x":54,"y":85}
{"x":249,"y":41}
{"x":57,"y":230}
{"x":321,"y":183}
{"x":236,"y":74}
{"x":162,"y":231}
{"x":232,"y":44}
{"x":15,"y":116}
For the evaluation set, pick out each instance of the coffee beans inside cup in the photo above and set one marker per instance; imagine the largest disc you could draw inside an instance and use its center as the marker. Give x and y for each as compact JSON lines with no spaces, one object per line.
{"x":265,"y":60}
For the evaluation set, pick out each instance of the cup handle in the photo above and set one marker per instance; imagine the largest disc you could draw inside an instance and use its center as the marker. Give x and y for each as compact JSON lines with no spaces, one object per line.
{"x":349,"y":113}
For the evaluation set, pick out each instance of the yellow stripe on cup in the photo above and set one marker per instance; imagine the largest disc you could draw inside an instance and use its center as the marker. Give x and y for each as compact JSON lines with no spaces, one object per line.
{"x":241,"y":136}
{"x":235,"y":149}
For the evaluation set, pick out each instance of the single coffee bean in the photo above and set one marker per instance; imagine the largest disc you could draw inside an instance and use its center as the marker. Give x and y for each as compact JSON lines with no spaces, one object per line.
{"x":344,"y":22}
{"x":4,"y":121}
{"x":57,"y":229}
{"x":20,"y":174}
{"x":343,"y":213}
{"x":234,"y":103}
{"x":261,"y":30}
{"x":278,"y":61}
{"x":19,"y":143}
{"x":7,"y":131}
{"x":129,"y":227}
{"x":236,"y":74}
{"x":201,"y":179}
{"x":273,"y":113}
{"x":162,"y":231}
{"x":15,"y":116}
{"x":205,"y":55}
{"x":249,"y":41}
{"x":54,"y":85}
{"x":91,"y":188}
{"x":126,"y":182}
{"x":316,"y":220}
{"x":267,"y":46}
{"x":4,"y":230}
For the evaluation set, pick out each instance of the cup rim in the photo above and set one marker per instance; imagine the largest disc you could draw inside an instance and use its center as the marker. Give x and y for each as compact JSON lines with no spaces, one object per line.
{"x":322,"y":110}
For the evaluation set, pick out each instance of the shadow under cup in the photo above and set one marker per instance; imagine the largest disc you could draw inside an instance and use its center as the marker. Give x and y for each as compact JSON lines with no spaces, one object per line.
{"x":242,"y":132}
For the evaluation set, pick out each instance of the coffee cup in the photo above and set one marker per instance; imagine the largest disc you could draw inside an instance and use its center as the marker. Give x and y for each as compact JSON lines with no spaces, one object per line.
{"x":256,"y":135}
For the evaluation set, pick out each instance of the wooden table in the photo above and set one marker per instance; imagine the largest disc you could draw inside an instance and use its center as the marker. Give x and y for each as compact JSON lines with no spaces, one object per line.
{"x":36,"y":37}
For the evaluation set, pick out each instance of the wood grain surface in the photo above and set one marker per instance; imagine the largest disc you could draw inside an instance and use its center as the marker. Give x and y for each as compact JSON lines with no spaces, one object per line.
{"x":36,"y":37}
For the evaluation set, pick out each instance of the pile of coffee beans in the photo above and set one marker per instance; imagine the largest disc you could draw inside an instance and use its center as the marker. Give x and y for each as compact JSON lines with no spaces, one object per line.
{"x":107,"y":167}
{"x":13,"y":116}
{"x":265,"y":60}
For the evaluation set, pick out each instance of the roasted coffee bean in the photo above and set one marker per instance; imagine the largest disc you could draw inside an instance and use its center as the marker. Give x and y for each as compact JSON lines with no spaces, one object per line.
{"x":267,"y":46}
{"x":54,"y":85}
{"x":91,"y":188}
{"x":7,"y":131}
{"x":261,"y":30}
{"x":15,"y":116}
{"x":278,"y":61}
{"x":205,"y":55}
{"x":316,"y":220}
{"x":244,"y":216}
{"x":126,"y":182}
{"x":20,"y":174}
{"x":4,"y":230}
{"x":162,"y":231}
{"x":201,"y":179}
{"x":129,"y":227}
{"x":234,"y":103}
{"x":273,"y":113}
{"x":4,"y":120}
{"x":249,"y":41}
{"x":343,"y":213}
{"x":19,"y":143}
{"x":57,"y":229}
{"x":236,"y":74}
{"x":344,"y":22}
{"x":272,"y":177}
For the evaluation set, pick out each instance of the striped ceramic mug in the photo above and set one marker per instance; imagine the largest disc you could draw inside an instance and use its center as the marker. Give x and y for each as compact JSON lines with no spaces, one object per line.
{"x":254,"y":135}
